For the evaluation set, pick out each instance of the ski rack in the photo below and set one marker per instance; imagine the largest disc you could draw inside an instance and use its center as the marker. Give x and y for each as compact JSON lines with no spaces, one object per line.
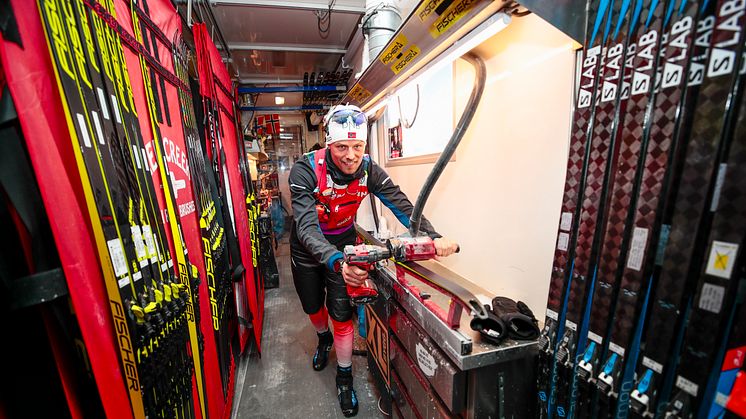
{"x":463,"y":346}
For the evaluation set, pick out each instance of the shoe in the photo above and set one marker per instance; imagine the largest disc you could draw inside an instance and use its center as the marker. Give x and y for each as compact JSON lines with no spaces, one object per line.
{"x":321,"y":357}
{"x":345,"y":393}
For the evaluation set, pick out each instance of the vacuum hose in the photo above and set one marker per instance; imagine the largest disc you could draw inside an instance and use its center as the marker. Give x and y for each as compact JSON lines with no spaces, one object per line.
{"x":463,"y":123}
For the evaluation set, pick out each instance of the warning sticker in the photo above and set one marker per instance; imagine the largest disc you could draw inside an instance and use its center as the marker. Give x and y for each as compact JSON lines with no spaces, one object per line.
{"x":394,"y":51}
{"x":562,"y":241}
{"x":637,"y":248}
{"x":452,"y":15}
{"x":427,"y":8}
{"x":407,"y":58}
{"x":566,"y":221}
{"x":552,"y":314}
{"x":687,"y":385}
{"x":116,"y":252}
{"x":711,"y":298}
{"x":139,"y":243}
{"x":426,"y":361}
{"x":655,"y":366}
{"x":722,"y":258}
{"x":147,"y":235}
{"x":359,"y":93}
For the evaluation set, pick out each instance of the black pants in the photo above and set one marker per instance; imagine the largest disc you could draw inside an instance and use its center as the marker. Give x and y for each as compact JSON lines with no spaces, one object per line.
{"x":314,"y":282}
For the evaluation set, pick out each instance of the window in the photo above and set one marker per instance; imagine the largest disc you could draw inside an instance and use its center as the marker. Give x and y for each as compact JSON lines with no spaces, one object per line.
{"x":419,"y":119}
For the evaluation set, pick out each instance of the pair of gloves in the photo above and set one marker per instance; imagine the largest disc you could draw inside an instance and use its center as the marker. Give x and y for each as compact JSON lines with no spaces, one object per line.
{"x":507,"y":318}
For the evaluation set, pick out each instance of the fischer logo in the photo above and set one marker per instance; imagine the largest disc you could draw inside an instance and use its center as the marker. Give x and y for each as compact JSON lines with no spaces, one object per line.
{"x":211,"y":286}
{"x":125,"y":346}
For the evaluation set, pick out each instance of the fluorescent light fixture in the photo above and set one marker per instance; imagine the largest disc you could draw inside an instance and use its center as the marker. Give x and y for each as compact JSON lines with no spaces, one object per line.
{"x":284,"y":136}
{"x":487,"y":29}
{"x":279,"y":100}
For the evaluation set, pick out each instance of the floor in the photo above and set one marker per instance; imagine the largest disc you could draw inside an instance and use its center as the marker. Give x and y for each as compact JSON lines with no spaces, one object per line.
{"x":282,"y":384}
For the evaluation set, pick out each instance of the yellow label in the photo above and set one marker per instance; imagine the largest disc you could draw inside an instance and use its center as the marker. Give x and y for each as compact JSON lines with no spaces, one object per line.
{"x":393,"y":52}
{"x":408,"y":57}
{"x":377,"y":341}
{"x":427,"y":8}
{"x":359,"y":93}
{"x":452,"y":15}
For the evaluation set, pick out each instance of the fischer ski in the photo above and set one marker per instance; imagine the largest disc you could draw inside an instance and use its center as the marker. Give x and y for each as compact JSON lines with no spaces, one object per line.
{"x":108,"y":211}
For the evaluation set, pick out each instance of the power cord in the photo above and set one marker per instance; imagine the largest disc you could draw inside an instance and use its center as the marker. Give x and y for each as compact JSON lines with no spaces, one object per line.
{"x":406,"y":123}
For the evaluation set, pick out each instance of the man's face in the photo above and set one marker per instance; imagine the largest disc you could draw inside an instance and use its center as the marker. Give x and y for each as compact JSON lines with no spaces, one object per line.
{"x":347,"y":155}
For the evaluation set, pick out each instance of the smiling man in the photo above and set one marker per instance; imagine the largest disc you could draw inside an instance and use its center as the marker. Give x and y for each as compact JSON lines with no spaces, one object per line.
{"x":327,"y":187}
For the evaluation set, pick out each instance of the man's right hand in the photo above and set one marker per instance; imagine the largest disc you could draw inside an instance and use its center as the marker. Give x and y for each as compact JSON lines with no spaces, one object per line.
{"x":353,"y":276}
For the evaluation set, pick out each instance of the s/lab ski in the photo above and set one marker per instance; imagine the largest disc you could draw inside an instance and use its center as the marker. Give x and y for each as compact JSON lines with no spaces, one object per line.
{"x":574,"y":183}
{"x":713,"y":305}
{"x":612,"y":94}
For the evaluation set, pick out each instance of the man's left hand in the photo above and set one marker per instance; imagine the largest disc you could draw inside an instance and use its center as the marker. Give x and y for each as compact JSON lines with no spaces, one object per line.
{"x":445,"y":247}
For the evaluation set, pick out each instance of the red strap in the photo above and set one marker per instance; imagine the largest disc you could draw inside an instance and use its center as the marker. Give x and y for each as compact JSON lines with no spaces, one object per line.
{"x":319,"y":158}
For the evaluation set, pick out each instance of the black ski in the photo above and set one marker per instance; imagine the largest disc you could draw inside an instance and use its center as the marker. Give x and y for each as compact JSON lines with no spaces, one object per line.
{"x":688,"y":38}
{"x":724,"y":216}
{"x":732,"y":360}
{"x":612,"y":93}
{"x":564,"y":253}
{"x":625,"y":173}
{"x":106,"y":206}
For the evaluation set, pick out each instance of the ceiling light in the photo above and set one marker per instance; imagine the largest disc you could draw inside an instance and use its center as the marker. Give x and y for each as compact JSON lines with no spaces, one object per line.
{"x":282,"y":129}
{"x":279,"y":100}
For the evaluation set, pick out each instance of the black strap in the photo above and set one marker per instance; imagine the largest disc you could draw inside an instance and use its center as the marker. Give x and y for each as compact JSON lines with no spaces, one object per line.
{"x":36,"y":289}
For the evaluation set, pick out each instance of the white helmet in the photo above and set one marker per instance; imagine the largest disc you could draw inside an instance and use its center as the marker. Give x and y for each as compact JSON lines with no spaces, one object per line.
{"x":345,"y":122}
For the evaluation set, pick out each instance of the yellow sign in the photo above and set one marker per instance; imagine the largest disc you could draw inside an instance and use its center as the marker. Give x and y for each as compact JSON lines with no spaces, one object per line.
{"x":377,"y":341}
{"x":427,"y":8}
{"x":408,"y":57}
{"x":452,"y":15}
{"x":359,"y":93}
{"x":722,"y":259}
{"x":393,"y":52}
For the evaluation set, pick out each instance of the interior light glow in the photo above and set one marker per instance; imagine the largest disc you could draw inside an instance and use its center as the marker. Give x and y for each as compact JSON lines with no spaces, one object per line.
{"x":279,"y":100}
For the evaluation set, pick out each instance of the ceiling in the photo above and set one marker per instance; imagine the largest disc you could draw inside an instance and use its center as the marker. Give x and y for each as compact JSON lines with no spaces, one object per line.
{"x":278,"y":42}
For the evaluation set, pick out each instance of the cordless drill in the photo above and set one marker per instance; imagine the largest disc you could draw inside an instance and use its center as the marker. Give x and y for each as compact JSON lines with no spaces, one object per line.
{"x":365,"y":256}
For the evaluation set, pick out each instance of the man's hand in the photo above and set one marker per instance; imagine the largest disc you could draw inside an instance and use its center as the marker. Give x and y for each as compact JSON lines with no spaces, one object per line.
{"x":445,"y":247}
{"x":353,"y":275}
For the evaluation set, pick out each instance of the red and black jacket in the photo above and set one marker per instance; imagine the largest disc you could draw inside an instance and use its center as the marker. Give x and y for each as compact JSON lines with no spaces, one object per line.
{"x":320,"y":190}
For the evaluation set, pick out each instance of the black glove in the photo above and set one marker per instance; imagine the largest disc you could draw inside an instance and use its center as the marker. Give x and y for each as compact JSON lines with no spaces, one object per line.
{"x":492,"y":328}
{"x":519,"y":319}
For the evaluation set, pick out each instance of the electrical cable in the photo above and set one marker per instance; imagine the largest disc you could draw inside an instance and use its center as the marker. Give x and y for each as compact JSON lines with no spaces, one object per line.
{"x":379,"y":407}
{"x":468,"y":114}
{"x":407,"y":124}
{"x":321,"y":17}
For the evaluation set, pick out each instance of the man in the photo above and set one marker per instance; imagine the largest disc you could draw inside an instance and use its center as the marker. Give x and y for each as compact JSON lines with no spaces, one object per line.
{"x":327,"y":187}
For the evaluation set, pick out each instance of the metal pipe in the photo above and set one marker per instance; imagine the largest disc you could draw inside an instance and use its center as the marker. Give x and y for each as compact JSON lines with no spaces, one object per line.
{"x":283,"y":108}
{"x":463,"y":123}
{"x":247,"y":46}
{"x":298,"y":5}
{"x":216,"y":26}
{"x":292,"y":89}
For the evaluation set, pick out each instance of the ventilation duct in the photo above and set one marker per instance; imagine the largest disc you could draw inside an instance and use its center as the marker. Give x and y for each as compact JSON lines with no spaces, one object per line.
{"x":379,"y":24}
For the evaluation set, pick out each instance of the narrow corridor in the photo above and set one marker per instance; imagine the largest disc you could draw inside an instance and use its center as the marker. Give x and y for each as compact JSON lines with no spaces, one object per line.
{"x":282,"y":384}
